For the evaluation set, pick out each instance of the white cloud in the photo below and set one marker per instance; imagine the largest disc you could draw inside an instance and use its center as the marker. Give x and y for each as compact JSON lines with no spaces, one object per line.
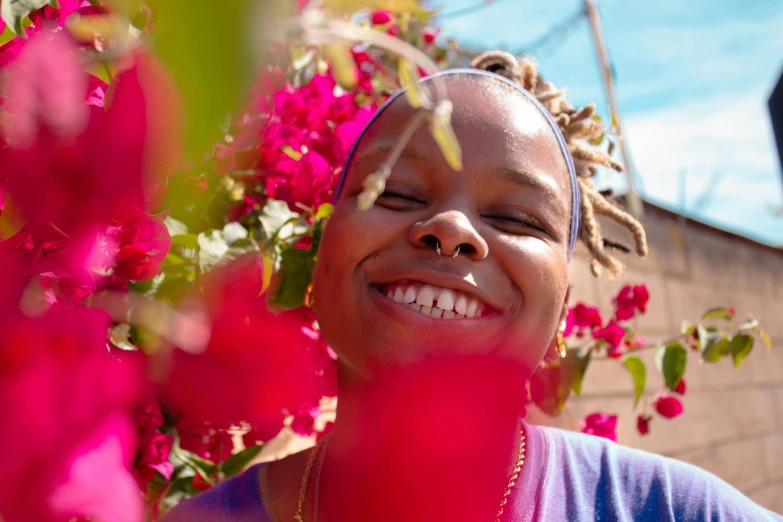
{"x":730,"y":134}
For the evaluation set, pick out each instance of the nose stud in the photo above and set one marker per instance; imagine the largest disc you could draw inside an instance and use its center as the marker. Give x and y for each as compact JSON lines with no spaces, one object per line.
{"x":440,"y":252}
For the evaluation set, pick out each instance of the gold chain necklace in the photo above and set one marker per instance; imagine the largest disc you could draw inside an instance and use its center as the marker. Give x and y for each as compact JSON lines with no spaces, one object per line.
{"x":318,"y":448}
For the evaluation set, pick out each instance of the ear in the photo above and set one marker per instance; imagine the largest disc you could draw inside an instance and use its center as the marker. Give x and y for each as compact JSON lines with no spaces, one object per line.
{"x":551,"y":353}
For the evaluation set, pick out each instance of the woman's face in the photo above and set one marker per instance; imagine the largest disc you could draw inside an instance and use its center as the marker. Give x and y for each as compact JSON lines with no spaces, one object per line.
{"x":385,"y":297}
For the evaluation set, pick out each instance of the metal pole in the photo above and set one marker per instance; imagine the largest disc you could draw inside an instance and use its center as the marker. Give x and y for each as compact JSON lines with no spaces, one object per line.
{"x":634,"y":201}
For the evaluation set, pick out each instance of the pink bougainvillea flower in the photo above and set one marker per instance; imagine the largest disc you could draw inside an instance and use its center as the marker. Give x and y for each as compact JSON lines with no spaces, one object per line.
{"x":142,"y":242}
{"x":668,"y":406}
{"x":154,"y":447}
{"x":380,"y":17}
{"x":600,"y":424}
{"x":643,"y":424}
{"x":429,"y":35}
{"x":682,"y":387}
{"x":65,"y":406}
{"x":98,"y":485}
{"x":214,"y":445}
{"x":60,"y":152}
{"x":630,"y":300}
{"x":582,"y":317}
{"x":304,"y":420}
{"x":612,"y":334}
{"x":256,"y":366}
{"x":637,"y":342}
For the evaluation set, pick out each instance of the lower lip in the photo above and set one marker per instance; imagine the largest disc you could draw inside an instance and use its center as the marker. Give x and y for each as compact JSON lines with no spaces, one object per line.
{"x":402,"y":311}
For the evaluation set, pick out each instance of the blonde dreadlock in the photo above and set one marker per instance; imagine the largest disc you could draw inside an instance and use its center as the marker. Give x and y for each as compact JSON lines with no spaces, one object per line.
{"x":579,"y":128}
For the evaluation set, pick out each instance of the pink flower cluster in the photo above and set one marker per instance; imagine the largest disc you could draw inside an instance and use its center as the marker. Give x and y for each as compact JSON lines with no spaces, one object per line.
{"x":583,"y":319}
{"x":76,"y":179}
{"x":307,"y":139}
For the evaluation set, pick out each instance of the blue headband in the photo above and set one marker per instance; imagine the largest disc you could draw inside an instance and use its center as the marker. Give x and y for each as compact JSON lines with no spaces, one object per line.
{"x":575,"y":201}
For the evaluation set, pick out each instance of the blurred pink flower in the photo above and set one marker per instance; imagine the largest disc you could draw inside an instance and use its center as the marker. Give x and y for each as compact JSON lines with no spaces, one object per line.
{"x":581,"y":317}
{"x":142,"y":242}
{"x":643,"y":424}
{"x":612,"y":334}
{"x":256,"y":365}
{"x":682,"y":387}
{"x":629,"y":300}
{"x":214,"y":445}
{"x":601,"y":425}
{"x":380,"y":17}
{"x":304,"y":420}
{"x":73,"y":170}
{"x":668,"y":406}
{"x":65,"y":406}
{"x":429,"y":35}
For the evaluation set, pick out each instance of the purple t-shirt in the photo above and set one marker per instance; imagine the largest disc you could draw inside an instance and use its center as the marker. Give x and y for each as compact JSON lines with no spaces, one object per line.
{"x":575,"y":476}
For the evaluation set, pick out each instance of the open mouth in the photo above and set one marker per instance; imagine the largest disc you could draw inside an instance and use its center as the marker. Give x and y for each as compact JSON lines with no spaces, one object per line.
{"x":434,"y":301}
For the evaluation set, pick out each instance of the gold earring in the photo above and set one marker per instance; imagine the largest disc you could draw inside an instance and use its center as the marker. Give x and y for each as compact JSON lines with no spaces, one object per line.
{"x":309,"y":296}
{"x":561,"y":345}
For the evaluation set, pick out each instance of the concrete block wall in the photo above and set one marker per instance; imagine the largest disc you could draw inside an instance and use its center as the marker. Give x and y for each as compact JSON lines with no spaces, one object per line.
{"x":733,"y":420}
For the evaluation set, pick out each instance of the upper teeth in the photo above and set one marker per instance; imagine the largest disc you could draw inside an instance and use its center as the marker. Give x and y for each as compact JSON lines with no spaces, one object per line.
{"x":434,"y":301}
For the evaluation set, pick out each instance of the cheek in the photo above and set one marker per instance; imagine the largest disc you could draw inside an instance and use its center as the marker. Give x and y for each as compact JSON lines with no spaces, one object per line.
{"x":541,"y":275}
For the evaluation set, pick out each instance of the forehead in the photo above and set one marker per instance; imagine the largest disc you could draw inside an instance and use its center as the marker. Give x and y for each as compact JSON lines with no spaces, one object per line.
{"x":497,"y":128}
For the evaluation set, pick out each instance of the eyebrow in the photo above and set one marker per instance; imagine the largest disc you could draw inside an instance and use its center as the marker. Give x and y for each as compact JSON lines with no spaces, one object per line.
{"x":410,"y":153}
{"x":525,"y":179}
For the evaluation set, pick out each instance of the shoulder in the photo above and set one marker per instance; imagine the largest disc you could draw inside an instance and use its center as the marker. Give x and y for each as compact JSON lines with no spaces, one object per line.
{"x":237,"y":499}
{"x":637,"y":485}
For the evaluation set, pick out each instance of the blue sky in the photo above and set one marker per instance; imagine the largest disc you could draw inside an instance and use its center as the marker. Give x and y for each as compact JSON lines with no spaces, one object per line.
{"x":692,"y":77}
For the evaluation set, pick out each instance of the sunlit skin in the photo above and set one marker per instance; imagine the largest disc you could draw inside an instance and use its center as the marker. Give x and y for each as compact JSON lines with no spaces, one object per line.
{"x":508,"y":210}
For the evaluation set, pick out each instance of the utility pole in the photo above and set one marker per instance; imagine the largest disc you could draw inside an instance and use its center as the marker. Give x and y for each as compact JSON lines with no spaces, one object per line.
{"x":634,"y":201}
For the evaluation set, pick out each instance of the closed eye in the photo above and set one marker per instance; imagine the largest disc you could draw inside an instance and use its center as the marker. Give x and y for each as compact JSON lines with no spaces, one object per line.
{"x":395,"y":198}
{"x":517,"y":225}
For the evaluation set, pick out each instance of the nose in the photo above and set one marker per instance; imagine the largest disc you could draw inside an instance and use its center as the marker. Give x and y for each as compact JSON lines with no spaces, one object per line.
{"x":450,"y":229}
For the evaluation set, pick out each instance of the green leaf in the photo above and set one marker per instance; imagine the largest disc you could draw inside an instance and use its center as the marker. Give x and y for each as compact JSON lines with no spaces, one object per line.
{"x":119,"y":336}
{"x":207,"y":47}
{"x":342,"y":64}
{"x":675,"y":357}
{"x":639,"y":375}
{"x":717,"y":313}
{"x":574,"y":367}
{"x":740,"y":346}
{"x":409,"y":78}
{"x":297,"y":269}
{"x":765,"y":339}
{"x":749,"y":326}
{"x":234,"y":232}
{"x":6,"y":35}
{"x":201,"y":466}
{"x":686,"y":328}
{"x":172,"y":260}
{"x":185,"y":240}
{"x":213,"y":246}
{"x":11,"y":220}
{"x":175,"y":227}
{"x":14,"y":11}
{"x":324,"y":211}
{"x":549,"y":390}
{"x":274,"y":216}
{"x":443,"y":134}
{"x":706,"y":336}
{"x":289,"y":151}
{"x":236,"y":463}
{"x":716,"y":350}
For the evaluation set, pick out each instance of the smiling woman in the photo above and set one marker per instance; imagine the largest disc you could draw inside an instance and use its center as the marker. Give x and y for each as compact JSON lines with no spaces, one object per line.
{"x":441,"y":300}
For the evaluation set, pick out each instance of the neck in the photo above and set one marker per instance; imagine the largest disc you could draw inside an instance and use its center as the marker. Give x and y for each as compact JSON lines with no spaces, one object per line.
{"x":434,"y":442}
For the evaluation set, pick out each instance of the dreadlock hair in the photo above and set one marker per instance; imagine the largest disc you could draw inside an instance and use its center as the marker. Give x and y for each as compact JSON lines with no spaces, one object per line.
{"x":578,"y":128}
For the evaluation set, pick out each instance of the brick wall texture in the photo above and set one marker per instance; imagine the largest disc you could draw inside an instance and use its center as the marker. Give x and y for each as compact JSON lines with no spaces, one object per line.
{"x":733,"y":420}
